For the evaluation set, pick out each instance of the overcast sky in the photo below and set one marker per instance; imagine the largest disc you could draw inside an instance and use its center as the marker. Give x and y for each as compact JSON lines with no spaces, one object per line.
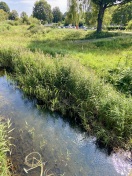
{"x":27,"y":5}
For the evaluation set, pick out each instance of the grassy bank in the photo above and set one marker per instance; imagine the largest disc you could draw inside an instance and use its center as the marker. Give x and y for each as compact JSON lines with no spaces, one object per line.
{"x":108,"y":57}
{"x":4,"y":170}
{"x":64,"y":85}
{"x":90,"y":80}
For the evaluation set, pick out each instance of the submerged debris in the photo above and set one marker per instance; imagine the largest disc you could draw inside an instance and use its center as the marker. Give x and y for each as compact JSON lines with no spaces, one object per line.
{"x":34,"y":160}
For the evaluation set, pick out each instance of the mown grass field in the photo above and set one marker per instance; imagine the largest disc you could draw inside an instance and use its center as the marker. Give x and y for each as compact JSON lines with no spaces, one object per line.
{"x":72,"y":72}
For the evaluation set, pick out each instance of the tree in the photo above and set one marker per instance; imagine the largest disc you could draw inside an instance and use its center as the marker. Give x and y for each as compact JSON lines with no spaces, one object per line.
{"x":13,"y":15}
{"x":64,"y":16}
{"x":123,"y":14}
{"x":42,"y":11}
{"x":102,"y":6}
{"x":91,"y":16}
{"x":3,"y":15}
{"x":57,"y":15}
{"x":23,"y":14}
{"x":73,"y":13}
{"x":108,"y":15}
{"x":4,"y":7}
{"x":24,"y":17}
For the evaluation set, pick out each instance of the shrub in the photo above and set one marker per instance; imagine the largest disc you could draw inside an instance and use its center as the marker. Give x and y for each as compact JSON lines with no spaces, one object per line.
{"x":13,"y":22}
{"x":38,"y":29}
{"x":111,"y":28}
{"x":33,"y":21}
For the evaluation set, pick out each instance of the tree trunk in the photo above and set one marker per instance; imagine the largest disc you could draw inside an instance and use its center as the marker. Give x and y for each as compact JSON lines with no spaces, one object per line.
{"x":100,"y":18}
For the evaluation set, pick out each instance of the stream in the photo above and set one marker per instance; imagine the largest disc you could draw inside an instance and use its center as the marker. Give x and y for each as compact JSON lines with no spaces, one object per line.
{"x":64,"y":149}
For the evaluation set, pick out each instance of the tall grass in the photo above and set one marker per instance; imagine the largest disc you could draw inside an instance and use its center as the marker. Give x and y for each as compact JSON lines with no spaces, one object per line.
{"x":4,"y":148}
{"x":76,"y":77}
{"x":64,"y":85}
{"x":121,"y":78}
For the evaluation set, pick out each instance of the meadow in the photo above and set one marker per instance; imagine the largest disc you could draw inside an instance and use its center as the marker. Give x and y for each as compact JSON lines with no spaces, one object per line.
{"x":75,"y":72}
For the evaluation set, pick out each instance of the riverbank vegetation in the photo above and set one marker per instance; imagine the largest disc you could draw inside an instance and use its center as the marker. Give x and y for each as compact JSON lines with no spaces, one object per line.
{"x":89,"y":80}
{"x":4,"y":148}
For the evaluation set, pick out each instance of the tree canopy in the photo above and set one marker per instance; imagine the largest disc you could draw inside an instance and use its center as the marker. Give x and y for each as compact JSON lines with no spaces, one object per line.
{"x":123,"y":14}
{"x":102,"y":6}
{"x":91,"y":16}
{"x":24,"y":17}
{"x":42,"y":11}
{"x":57,"y":15}
{"x":4,"y":7}
{"x":13,"y":15}
{"x":23,"y":14}
{"x":73,"y":13}
{"x":3,"y":15}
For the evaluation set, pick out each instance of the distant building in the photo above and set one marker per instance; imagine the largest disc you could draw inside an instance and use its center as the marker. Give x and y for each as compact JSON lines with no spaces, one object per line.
{"x":84,"y":5}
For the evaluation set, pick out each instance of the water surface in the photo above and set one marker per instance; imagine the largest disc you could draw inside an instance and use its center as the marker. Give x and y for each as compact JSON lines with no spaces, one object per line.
{"x":65,"y":150}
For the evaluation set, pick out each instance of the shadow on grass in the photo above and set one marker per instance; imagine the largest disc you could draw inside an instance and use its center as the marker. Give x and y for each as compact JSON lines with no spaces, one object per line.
{"x":95,"y":35}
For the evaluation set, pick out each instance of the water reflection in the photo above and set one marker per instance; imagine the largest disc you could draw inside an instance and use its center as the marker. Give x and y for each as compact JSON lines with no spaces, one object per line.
{"x":64,"y":150}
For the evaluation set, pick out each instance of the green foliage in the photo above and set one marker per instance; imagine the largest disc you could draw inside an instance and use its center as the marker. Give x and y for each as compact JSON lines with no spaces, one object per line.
{"x":57,"y":15}
{"x":42,"y":11}
{"x":33,"y":21}
{"x":4,"y":148}
{"x":110,"y":28}
{"x":4,"y":7}
{"x":38,"y":29}
{"x":102,"y":6}
{"x":64,"y":16}
{"x":4,"y":27}
{"x":91,"y":16}
{"x":64,"y":85}
{"x":129,"y":25}
{"x":13,"y":15}
{"x":73,"y":76}
{"x":123,"y":14}
{"x":73,"y":14}
{"x":13,"y":23}
{"x":23,"y":14}
{"x":108,"y":16}
{"x":24,"y":18}
{"x":3,"y":15}
{"x":109,"y":3}
{"x":121,"y":78}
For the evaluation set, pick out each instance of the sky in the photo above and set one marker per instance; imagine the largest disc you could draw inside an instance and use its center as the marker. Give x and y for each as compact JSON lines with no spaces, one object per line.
{"x":27,"y":5}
